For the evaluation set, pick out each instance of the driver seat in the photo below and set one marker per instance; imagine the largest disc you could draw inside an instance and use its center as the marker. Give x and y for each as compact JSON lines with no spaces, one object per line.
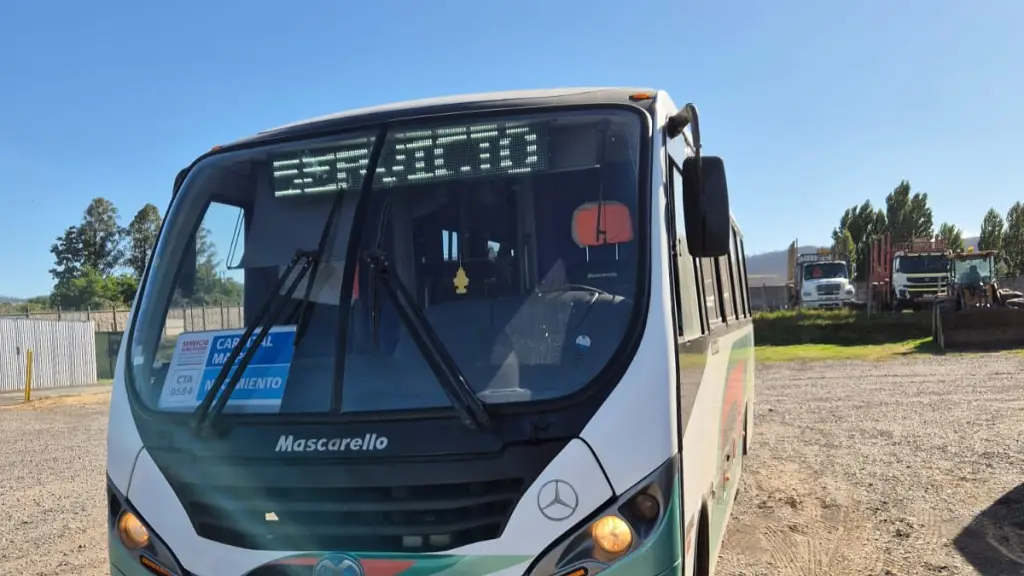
{"x":604,"y":231}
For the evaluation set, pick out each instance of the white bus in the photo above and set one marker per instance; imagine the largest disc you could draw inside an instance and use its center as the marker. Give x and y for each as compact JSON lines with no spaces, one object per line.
{"x":503,"y":334}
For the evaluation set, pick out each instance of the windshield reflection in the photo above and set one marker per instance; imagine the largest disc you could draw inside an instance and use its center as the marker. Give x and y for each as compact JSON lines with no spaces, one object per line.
{"x":513,"y":236}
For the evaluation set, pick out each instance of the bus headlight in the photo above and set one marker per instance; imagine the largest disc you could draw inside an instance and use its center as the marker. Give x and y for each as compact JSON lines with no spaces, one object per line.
{"x":140,"y":543}
{"x":611,"y":535}
{"x":622,"y":527}
{"x":132,"y":531}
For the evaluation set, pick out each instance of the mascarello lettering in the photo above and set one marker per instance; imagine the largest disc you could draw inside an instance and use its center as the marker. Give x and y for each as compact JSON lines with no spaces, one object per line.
{"x":366,"y":443}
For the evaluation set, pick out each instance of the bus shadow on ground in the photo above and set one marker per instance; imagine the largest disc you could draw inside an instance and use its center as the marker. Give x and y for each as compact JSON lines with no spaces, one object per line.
{"x":993,"y":543}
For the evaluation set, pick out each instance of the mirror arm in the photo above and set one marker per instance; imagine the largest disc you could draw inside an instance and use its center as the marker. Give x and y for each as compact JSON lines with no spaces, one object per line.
{"x":686,"y":116}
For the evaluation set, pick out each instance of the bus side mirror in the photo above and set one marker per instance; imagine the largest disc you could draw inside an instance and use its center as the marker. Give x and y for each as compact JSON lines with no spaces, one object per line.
{"x":706,"y":206}
{"x":187,"y":275}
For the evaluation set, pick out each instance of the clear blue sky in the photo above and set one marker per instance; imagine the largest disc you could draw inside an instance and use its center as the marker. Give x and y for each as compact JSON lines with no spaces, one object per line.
{"x":815,"y":104}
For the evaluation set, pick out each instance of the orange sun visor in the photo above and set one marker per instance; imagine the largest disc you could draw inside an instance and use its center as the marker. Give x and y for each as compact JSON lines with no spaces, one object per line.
{"x":599,"y":223}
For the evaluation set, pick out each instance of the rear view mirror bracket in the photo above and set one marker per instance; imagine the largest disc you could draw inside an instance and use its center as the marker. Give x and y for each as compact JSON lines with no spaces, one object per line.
{"x":678,"y":122}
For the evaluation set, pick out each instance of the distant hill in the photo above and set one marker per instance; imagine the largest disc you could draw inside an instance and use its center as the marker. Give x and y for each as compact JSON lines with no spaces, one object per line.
{"x":769,"y":268}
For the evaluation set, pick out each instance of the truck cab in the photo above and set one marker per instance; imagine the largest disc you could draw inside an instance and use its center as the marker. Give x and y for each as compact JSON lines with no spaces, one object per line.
{"x":911,"y":274}
{"x":919,"y":277}
{"x":824,"y":282}
{"x":819,"y":280}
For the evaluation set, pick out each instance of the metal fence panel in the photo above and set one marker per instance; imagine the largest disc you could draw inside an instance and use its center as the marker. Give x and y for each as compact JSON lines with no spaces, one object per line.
{"x":63,"y":353}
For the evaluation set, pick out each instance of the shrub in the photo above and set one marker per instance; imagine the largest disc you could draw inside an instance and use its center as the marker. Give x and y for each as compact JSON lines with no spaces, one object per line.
{"x":839,"y":327}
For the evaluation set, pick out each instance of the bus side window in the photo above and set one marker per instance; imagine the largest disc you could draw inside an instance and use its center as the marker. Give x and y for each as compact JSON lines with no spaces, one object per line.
{"x":735,"y":270}
{"x":743,"y":274}
{"x":725,"y":281}
{"x":450,"y":245}
{"x":712,"y":292}
{"x":689,"y":308}
{"x":699,"y":302}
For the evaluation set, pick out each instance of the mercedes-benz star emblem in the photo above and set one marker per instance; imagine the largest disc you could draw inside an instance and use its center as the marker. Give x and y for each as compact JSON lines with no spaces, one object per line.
{"x":338,"y":565}
{"x":557,"y":500}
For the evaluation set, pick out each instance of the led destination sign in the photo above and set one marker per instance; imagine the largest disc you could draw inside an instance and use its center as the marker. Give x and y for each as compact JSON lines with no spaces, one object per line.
{"x":414,"y":157}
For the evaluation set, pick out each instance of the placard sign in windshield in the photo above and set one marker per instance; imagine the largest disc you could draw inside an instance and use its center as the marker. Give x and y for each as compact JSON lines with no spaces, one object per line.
{"x":425,"y":155}
{"x":199,"y":356}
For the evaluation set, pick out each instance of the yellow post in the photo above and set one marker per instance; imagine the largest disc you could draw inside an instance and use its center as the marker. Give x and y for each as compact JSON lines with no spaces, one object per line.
{"x":28,"y":375}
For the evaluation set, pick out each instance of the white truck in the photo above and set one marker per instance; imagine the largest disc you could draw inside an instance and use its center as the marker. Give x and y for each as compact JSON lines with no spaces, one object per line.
{"x":920,"y":273}
{"x":820,"y":280}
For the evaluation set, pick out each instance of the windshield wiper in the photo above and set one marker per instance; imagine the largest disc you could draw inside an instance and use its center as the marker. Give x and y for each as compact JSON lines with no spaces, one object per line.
{"x":207,"y":412}
{"x":471,"y":410}
{"x":305,"y":310}
{"x":212,"y":405}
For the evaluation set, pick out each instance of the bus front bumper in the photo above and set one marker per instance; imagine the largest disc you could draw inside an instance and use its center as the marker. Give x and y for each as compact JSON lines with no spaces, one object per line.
{"x":676,"y":570}
{"x":658,"y":553}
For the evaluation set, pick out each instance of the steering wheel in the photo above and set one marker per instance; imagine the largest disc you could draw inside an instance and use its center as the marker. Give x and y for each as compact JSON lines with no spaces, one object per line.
{"x":585,"y":287}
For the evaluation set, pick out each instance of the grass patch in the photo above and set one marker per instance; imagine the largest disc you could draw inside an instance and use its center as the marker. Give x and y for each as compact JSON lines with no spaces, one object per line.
{"x":840,"y":328}
{"x":814,"y":335}
{"x":819,"y":352}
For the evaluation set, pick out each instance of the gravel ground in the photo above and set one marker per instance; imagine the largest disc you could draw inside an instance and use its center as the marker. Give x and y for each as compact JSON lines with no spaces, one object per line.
{"x":899,"y":468}
{"x":52,"y":498}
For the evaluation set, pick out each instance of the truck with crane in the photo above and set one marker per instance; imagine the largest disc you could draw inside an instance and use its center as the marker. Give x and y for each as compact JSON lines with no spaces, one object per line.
{"x":819,"y":280}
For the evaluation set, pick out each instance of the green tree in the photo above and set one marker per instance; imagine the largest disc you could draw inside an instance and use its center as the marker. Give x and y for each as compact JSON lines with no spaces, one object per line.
{"x":17,"y":306}
{"x":121,"y":288}
{"x":142,"y":232}
{"x":212,"y":286}
{"x":1013,"y":240}
{"x":952,"y":235}
{"x":93,"y":289}
{"x":102,"y":238}
{"x":95,"y":243}
{"x":991,"y":237}
{"x":843,"y":244}
{"x":38,"y":303}
{"x":908,"y":215}
{"x":67,"y":254}
{"x":864,"y":223}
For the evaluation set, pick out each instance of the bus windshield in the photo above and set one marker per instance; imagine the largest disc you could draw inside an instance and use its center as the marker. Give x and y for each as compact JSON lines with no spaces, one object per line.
{"x":514,"y":235}
{"x":922,"y":264}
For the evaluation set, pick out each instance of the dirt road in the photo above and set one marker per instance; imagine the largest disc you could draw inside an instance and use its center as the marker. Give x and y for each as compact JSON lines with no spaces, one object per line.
{"x":858,"y":469}
{"x":52,"y":493}
{"x":904,"y":468}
